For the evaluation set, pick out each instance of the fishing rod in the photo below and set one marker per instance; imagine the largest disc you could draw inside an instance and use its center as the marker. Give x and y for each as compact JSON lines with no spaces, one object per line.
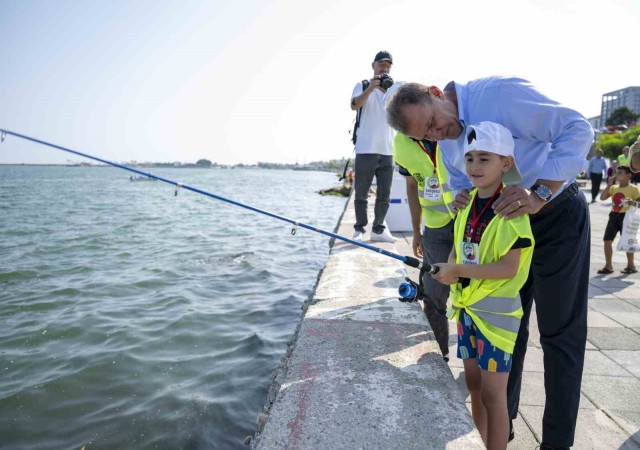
{"x":409,"y":291}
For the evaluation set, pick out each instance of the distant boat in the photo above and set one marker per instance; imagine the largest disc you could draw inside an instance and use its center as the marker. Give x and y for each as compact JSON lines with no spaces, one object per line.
{"x":142,"y":178}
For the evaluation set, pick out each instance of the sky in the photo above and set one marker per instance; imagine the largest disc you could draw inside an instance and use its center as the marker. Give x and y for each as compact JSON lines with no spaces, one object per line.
{"x":270,"y":80}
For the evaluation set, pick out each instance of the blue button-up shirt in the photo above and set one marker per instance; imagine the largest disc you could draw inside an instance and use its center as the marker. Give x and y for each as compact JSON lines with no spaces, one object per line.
{"x":551,"y":140}
{"x":597,"y":165}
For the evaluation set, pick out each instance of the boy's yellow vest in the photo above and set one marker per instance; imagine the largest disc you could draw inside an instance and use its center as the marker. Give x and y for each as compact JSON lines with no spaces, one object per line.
{"x":494,"y":305}
{"x":409,"y":155}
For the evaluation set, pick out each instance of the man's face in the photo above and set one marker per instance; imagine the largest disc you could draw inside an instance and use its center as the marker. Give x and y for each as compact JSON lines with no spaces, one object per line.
{"x":380,"y":67}
{"x":434,"y":122}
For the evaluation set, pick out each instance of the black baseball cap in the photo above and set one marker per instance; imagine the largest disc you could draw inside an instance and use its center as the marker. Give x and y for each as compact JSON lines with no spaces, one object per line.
{"x":383,"y":56}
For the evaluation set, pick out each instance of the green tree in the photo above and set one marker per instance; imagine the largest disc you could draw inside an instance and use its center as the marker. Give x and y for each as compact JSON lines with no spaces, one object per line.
{"x":611,"y":144}
{"x":204,"y":163}
{"x":621,"y":116}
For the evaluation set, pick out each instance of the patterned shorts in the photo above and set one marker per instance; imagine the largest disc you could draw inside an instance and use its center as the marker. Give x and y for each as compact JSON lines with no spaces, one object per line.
{"x":473,"y":344}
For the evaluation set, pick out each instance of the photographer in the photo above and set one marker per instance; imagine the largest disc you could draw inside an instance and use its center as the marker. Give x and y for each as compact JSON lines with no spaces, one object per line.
{"x":373,"y":149}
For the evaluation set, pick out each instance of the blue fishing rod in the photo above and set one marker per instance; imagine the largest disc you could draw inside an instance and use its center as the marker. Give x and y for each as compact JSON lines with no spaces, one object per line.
{"x":409,"y":291}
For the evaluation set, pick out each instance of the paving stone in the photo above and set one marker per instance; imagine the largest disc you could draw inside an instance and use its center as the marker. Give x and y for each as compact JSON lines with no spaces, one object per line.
{"x":612,"y":305}
{"x":597,"y":363}
{"x":614,"y":338}
{"x":533,"y":393}
{"x":596,"y":292}
{"x":606,"y":392}
{"x":524,"y":437}
{"x":533,"y":360}
{"x":594,"y":429}
{"x":629,"y":421}
{"x":628,"y":319}
{"x":596,"y":319}
{"x":629,"y":359}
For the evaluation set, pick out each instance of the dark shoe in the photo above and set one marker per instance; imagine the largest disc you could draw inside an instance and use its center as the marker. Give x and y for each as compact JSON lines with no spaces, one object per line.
{"x":629,"y":270}
{"x":512,"y":434}
{"x":605,"y":271}
{"x":551,"y":447}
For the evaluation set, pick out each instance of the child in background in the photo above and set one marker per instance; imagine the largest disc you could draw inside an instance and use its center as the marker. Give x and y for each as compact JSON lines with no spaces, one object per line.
{"x":622,"y":196}
{"x":487,"y":267}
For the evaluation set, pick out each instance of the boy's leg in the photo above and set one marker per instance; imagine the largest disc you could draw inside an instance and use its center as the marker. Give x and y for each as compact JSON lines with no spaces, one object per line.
{"x":365,"y":168}
{"x":494,"y":399}
{"x":608,"y":255}
{"x":473,"y":378}
{"x":468,"y":352}
{"x":384,"y":178}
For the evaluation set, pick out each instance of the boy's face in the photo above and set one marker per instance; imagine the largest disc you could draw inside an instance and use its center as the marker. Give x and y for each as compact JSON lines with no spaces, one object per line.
{"x":622,"y":176}
{"x":485,"y":169}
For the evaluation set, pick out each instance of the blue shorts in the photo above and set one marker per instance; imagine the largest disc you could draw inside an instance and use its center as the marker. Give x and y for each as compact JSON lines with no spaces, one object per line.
{"x":473,"y":344}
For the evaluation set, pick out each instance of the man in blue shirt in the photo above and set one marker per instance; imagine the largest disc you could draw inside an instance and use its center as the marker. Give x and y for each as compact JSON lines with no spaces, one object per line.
{"x":551,"y":144}
{"x":596,"y":169}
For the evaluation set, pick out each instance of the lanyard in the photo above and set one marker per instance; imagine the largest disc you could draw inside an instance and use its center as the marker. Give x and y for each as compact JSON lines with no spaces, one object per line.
{"x":475,"y":217}
{"x":432,"y":158}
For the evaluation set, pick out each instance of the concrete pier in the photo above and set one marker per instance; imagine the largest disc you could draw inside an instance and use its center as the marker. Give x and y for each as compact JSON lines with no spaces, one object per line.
{"x":364,"y":371}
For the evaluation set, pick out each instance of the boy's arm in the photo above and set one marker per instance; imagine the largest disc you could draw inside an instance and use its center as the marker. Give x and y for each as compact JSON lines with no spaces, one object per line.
{"x":504,"y":269}
{"x":605,"y":193}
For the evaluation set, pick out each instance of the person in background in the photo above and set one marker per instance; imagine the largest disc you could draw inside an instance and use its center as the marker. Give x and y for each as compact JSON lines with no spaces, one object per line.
{"x":595,"y":170}
{"x":373,"y":149}
{"x":487,"y":267}
{"x":623,"y":158}
{"x":622,"y":196}
{"x":551,"y":151}
{"x":634,"y":156}
{"x":430,"y":199}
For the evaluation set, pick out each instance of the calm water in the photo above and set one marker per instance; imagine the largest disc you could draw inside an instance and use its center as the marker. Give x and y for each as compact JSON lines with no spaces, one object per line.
{"x":134,"y":319}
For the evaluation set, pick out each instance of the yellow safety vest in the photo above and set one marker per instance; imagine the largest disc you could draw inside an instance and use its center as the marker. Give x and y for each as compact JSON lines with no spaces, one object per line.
{"x":623,"y":160}
{"x":494,"y":305}
{"x":409,"y":155}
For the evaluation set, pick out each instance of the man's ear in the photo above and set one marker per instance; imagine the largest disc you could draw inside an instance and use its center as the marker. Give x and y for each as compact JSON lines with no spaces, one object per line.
{"x":436,"y":92}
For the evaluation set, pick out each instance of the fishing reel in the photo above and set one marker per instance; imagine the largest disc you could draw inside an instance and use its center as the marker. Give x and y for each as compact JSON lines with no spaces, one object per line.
{"x":410,"y":291}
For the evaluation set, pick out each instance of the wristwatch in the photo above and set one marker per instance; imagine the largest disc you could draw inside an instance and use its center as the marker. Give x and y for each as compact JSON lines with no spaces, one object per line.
{"x":543,"y":192}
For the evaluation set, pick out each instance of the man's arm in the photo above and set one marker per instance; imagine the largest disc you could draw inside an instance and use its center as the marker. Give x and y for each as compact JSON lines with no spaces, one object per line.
{"x":416,"y":214}
{"x":358,"y":101}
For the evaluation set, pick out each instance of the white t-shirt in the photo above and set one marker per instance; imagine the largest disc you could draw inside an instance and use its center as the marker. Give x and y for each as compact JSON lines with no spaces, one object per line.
{"x":374,"y":135}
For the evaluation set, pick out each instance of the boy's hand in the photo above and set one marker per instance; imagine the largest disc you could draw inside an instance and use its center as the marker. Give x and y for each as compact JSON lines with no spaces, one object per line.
{"x":515,"y":201}
{"x":447,"y":273}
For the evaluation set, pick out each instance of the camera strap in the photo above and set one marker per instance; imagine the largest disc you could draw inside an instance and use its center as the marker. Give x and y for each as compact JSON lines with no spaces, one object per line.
{"x":354,"y":136}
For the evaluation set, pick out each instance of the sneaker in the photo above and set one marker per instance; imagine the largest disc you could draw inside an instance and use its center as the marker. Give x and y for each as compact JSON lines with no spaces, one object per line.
{"x":358,"y":236}
{"x":385,"y":236}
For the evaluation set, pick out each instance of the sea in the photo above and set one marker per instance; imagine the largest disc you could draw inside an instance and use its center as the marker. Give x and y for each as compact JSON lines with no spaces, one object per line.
{"x":138,"y":315}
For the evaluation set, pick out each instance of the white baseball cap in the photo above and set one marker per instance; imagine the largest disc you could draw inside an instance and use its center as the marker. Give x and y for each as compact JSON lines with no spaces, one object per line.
{"x":492,"y":137}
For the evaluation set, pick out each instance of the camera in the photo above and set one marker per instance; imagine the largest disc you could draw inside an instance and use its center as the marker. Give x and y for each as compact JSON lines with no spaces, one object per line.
{"x":385,"y":81}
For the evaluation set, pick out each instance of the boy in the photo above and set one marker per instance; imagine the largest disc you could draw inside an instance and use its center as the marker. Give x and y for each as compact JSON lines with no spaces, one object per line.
{"x":622,"y":196}
{"x":487,"y":267}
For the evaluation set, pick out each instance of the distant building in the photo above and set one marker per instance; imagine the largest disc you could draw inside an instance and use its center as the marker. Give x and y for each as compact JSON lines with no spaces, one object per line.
{"x":629,"y":97}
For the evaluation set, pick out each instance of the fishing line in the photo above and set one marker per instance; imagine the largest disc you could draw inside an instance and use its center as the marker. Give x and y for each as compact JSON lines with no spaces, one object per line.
{"x":409,"y":291}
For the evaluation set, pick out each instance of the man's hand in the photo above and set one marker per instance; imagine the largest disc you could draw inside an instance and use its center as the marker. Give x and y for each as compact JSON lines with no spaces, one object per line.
{"x":447,"y":273}
{"x":462,"y":199}
{"x":515,"y":201}
{"x":418,"y":251}
{"x":374,"y":83}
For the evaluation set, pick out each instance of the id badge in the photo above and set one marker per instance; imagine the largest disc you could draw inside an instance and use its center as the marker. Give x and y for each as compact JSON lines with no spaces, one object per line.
{"x":432,"y":191}
{"x":470,"y":253}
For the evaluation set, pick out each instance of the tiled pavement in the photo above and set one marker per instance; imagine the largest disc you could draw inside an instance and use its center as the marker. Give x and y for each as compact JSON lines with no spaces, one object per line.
{"x":609,"y":416}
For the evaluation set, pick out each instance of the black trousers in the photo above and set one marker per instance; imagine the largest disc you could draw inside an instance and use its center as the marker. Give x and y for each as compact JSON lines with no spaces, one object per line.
{"x":558,"y":281}
{"x":596,"y":180}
